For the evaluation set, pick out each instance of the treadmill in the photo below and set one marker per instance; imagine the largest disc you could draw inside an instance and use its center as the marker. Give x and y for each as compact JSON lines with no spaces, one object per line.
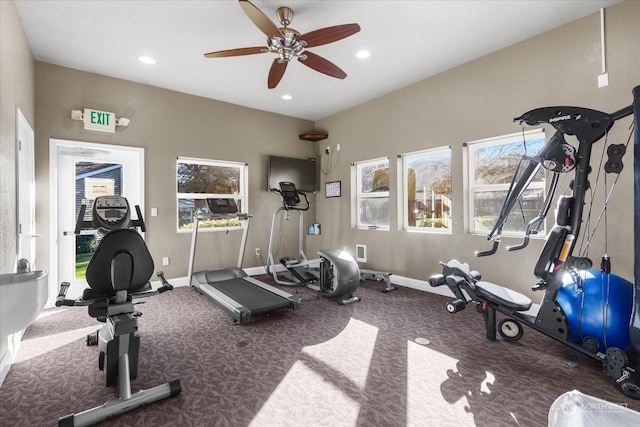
{"x":231,"y":288}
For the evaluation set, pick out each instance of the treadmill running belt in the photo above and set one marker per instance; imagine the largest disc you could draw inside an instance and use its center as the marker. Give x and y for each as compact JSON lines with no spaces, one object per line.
{"x":256,"y":299}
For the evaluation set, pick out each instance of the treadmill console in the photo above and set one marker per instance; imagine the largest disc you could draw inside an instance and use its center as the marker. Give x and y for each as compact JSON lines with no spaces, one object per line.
{"x":222,"y":206}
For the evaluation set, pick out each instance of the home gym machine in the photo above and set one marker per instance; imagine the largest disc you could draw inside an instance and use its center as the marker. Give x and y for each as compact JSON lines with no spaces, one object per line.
{"x":231,"y":288}
{"x":118,"y":272}
{"x":336,"y":272}
{"x":593,"y":312}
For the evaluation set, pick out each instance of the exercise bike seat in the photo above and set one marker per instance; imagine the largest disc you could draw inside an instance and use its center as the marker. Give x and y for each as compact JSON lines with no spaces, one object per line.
{"x":500,"y":295}
{"x":123,"y":248}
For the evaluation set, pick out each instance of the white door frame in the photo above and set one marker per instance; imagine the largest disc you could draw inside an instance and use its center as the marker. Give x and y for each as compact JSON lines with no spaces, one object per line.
{"x":60,"y":151}
{"x":26,"y":190}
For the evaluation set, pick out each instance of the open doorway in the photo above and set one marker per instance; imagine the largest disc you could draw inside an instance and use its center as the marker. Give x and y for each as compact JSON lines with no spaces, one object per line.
{"x":80,"y":172}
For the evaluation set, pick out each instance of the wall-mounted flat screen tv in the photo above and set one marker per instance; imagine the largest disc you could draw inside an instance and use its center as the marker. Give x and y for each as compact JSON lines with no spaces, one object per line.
{"x":302,"y":172}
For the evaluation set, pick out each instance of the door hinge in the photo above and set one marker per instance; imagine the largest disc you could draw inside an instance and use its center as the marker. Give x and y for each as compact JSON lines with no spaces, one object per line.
{"x":19,"y":145}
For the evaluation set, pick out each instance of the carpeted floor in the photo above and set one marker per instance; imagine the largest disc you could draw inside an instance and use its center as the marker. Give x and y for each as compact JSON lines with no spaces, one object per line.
{"x":396,"y":359}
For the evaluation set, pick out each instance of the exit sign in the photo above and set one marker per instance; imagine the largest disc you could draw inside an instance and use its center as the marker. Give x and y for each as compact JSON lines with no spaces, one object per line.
{"x":101,"y":121}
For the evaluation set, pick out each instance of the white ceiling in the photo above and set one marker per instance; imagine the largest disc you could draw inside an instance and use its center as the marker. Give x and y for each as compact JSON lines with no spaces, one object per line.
{"x":408,"y":40}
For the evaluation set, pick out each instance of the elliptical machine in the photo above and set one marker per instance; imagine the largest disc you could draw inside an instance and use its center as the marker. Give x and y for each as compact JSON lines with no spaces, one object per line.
{"x":613,"y":339}
{"x":336,"y":272}
{"x":118,"y":272}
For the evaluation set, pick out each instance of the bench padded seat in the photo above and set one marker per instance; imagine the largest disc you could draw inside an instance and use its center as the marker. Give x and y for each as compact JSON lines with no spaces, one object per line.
{"x":502,"y":296}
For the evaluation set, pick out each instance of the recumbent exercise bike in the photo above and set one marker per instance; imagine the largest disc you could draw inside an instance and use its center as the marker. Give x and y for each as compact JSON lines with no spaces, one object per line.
{"x":118,"y":272}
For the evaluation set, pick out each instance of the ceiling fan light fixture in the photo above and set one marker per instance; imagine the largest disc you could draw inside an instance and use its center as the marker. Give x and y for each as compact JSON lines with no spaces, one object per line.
{"x":362,"y":54}
{"x":289,"y":44}
{"x":287,"y":97}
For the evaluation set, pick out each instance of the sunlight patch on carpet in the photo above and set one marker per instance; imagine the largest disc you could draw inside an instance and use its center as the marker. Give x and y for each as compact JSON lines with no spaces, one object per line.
{"x":31,"y":348}
{"x":349,"y":353}
{"x":305,"y":396}
{"x":325,"y":384}
{"x":427,"y":374}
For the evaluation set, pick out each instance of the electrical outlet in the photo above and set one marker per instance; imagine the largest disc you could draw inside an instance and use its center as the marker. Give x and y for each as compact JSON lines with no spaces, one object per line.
{"x":327,"y":150}
{"x":337,"y":147}
{"x":165,"y":260}
{"x":257,"y":252}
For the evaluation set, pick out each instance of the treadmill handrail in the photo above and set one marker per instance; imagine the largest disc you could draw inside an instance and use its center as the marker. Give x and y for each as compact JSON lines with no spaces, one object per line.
{"x":245,"y":218}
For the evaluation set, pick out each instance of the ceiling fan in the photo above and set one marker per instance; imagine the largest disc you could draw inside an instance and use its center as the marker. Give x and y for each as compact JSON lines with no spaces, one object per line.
{"x":289,"y":44}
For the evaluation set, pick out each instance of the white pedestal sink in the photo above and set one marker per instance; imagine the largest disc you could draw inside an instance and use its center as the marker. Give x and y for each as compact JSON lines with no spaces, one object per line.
{"x":22,"y":298}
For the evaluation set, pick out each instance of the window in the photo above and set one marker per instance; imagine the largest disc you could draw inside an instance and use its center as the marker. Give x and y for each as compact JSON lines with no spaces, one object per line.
{"x":492,"y":165}
{"x":200,"y":179}
{"x":427,"y":190}
{"x":372,"y":194}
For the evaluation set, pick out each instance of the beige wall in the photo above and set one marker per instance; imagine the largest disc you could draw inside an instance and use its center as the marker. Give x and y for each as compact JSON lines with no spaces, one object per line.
{"x":478,"y":100}
{"x":167,"y":124}
{"x":17,"y":89}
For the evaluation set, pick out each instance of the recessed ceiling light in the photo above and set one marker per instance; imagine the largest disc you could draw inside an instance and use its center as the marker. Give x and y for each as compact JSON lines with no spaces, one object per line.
{"x":363,"y":54}
{"x":146,"y":60}
{"x":287,"y":97}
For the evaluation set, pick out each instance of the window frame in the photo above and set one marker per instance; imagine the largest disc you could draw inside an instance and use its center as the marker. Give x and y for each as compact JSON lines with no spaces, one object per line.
{"x":405,"y":191}
{"x":242,"y":197}
{"x":472,"y":187}
{"x":358,"y":196}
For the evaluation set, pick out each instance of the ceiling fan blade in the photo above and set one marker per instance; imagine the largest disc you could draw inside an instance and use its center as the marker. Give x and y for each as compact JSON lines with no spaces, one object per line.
{"x":329,"y":34}
{"x":236,"y":52}
{"x":275,"y":73}
{"x":261,"y":20}
{"x":320,"y":64}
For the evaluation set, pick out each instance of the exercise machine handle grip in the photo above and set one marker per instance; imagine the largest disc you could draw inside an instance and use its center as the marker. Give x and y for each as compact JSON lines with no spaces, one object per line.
{"x":81,"y":223}
{"x":62,"y":294}
{"x":524,"y":244}
{"x":139,"y":222}
{"x":491,"y":251}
